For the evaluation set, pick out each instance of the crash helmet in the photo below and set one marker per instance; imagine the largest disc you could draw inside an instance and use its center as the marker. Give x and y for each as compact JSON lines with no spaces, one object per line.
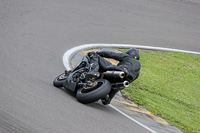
{"x":133,"y":53}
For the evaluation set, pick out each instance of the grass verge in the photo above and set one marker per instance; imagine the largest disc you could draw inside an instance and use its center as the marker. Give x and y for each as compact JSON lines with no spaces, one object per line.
{"x":169,"y":87}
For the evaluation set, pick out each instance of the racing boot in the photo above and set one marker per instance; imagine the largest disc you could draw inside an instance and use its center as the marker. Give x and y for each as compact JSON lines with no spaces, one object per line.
{"x":106,"y":100}
{"x":109,"y":97}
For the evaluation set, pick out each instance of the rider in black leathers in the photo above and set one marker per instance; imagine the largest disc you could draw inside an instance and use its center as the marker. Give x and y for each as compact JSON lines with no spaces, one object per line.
{"x":128,"y":63}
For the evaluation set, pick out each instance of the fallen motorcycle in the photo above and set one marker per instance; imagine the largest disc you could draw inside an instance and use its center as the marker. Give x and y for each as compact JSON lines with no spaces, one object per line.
{"x":90,"y":86}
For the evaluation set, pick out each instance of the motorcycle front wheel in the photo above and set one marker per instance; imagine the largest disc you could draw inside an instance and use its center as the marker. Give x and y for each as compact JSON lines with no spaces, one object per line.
{"x":59,"y":80}
{"x":91,"y":95}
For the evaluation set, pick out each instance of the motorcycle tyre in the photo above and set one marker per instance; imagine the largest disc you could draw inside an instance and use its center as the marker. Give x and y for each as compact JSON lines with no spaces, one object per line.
{"x":59,"y":82}
{"x":96,"y":94}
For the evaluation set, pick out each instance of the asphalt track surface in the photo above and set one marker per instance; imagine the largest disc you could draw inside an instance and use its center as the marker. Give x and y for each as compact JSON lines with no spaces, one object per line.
{"x":35,"y":34}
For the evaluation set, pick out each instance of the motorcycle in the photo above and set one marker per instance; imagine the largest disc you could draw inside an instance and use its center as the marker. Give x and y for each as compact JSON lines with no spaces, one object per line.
{"x":90,"y":86}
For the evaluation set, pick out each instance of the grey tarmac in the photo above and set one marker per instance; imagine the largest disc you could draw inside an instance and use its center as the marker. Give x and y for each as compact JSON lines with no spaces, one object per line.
{"x":35,"y":34}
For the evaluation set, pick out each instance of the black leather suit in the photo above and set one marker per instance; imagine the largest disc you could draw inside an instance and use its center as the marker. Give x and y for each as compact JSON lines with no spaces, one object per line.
{"x":126,"y":64}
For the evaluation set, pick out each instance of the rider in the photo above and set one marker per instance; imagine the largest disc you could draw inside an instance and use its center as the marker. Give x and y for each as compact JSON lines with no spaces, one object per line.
{"x":128,"y":63}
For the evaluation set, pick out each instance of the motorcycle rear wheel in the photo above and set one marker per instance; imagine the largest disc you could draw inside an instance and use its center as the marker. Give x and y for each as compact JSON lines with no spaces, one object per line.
{"x":59,"y":80}
{"x":88,"y":96}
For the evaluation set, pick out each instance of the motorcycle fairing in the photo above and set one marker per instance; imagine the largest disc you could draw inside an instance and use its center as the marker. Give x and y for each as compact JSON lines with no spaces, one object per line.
{"x":70,"y":83}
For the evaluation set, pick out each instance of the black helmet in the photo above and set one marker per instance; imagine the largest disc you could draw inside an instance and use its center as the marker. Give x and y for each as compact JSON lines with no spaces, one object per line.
{"x":133,"y":53}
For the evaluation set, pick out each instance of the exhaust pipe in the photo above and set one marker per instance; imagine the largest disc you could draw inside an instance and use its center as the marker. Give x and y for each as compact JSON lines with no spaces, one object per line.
{"x":120,"y":85}
{"x":126,"y":83}
{"x":115,"y":74}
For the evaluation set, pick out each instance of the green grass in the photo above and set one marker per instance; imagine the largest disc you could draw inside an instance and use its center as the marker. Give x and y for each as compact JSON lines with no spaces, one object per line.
{"x":169,"y":87}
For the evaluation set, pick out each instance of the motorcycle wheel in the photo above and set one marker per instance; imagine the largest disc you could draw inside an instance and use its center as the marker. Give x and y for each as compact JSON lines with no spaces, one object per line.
{"x":59,"y":80}
{"x":91,"y":95}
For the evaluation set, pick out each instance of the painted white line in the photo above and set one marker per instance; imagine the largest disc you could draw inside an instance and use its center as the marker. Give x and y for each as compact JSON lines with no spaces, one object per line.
{"x":71,"y":52}
{"x":129,"y":117}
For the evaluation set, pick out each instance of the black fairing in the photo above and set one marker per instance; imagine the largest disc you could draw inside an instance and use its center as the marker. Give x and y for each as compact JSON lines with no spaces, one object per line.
{"x":71,"y":82}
